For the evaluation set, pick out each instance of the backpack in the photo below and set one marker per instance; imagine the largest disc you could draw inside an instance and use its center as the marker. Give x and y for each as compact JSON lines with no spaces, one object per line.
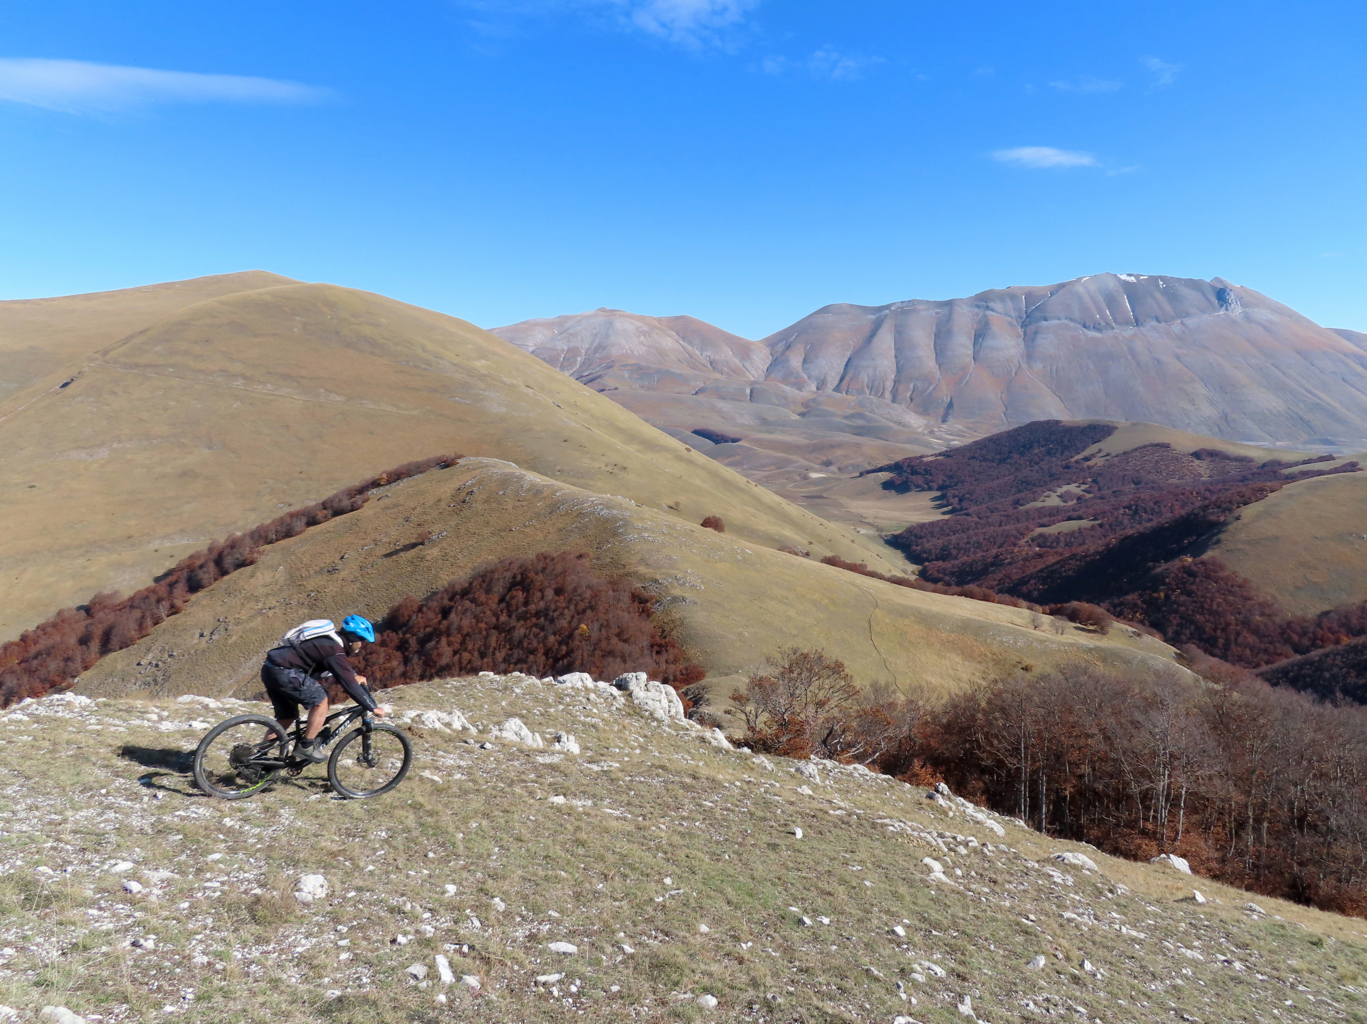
{"x":310,"y":630}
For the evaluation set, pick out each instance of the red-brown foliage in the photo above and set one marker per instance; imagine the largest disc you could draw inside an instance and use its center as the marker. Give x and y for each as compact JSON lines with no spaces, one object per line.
{"x":1150,"y":513}
{"x":545,"y":615}
{"x":52,"y":654}
{"x":1258,"y":787}
{"x":714,"y":523}
{"x":916,"y":583}
{"x":715,"y":436}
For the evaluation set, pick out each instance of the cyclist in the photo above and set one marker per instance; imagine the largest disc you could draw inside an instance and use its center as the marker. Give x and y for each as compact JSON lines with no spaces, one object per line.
{"x":291,"y":676}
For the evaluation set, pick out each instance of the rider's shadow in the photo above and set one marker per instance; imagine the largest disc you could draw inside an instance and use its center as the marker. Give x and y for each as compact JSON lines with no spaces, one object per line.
{"x":174,"y":771}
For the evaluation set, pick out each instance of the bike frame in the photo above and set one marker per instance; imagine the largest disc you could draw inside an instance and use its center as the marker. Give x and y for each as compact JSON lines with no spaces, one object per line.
{"x":348,"y":716}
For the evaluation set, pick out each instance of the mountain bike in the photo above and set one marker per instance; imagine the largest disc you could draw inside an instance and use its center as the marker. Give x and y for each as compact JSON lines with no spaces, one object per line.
{"x":243,"y":755}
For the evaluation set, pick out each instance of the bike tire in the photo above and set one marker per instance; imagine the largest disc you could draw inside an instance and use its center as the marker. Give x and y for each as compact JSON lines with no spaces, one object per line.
{"x":338,"y":758}
{"x":217,"y":783}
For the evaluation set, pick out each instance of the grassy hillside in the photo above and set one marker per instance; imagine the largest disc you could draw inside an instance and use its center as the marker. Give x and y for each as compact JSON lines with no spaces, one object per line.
{"x":222,"y":414}
{"x":732,"y":601}
{"x":672,"y":867}
{"x":1307,"y":544}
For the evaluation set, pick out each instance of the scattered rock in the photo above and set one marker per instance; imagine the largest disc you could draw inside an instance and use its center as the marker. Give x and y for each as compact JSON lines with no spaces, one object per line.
{"x":627,"y":949}
{"x":444,"y":972}
{"x":708,"y":1002}
{"x":936,"y":868}
{"x":806,"y":921}
{"x":470,"y":980}
{"x":1197,"y":897}
{"x":562,"y":947}
{"x":899,"y":931}
{"x":310,"y":888}
{"x":1253,"y":908}
{"x":132,"y":886}
{"x":60,"y":1014}
{"x":486,"y":745}
{"x":703,"y":929}
{"x":1172,"y":861}
{"x":584,"y":679}
{"x":565,"y":742}
{"x":557,"y":800}
{"x":808,"y":771}
{"x":905,"y":1020}
{"x":1036,"y":964}
{"x":515,"y":731}
{"x":943,"y":790}
{"x":119,"y":867}
{"x":966,"y":1007}
{"x":1075,"y":860}
{"x":651,"y":697}
{"x":147,"y":942}
{"x":417,"y":971}
{"x":797,"y":833}
{"x":548,"y":979}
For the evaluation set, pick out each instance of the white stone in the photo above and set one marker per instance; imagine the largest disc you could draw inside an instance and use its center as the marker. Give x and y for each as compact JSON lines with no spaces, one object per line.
{"x":417,"y":971}
{"x":1087,"y":966}
{"x":578,"y":679}
{"x":806,"y":921}
{"x":562,"y":947}
{"x":1196,"y":895}
{"x":130,"y":885}
{"x":707,"y":1002}
{"x":1253,"y":908}
{"x":808,"y":771}
{"x":936,"y":868}
{"x":1172,"y":861}
{"x":903,"y":1020}
{"x":469,"y":980}
{"x":310,"y":888}
{"x":515,"y":731}
{"x":1037,"y":963}
{"x":444,"y":970}
{"x":652,"y":697}
{"x":119,"y":867}
{"x":61,"y":1015}
{"x":943,"y":790}
{"x":966,"y":1007}
{"x":566,"y":742}
{"x":703,"y":929}
{"x":717,"y":738}
{"x":8,"y":1014}
{"x":899,"y":931}
{"x":797,"y":833}
{"x":930,"y":968}
{"x":548,"y":979}
{"x":627,"y":949}
{"x":1076,"y":860}
{"x":555,"y":800}
{"x":629,"y":681}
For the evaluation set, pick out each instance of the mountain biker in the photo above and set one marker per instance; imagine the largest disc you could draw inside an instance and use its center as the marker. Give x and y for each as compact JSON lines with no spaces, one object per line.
{"x":291,"y":677}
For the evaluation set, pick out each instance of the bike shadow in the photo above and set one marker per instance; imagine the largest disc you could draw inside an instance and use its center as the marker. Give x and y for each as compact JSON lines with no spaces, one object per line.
{"x":174,"y":773}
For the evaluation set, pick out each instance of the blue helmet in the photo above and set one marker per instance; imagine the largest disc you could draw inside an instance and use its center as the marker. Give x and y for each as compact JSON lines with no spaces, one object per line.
{"x":357,"y":626}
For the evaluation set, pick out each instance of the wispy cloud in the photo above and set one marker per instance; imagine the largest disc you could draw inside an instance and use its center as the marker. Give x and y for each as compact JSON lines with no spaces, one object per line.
{"x":687,"y":22}
{"x":1163,"y":73}
{"x":1087,"y":83}
{"x":824,"y":63}
{"x":692,"y":24}
{"x":1045,"y":157}
{"x":76,"y":86}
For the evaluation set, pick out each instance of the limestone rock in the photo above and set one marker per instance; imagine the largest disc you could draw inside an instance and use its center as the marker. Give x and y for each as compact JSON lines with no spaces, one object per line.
{"x":652,"y":697}
{"x":310,"y":888}
{"x":707,"y":1002}
{"x":1036,"y":964}
{"x":444,"y":972}
{"x":577,"y":679}
{"x":565,"y":742}
{"x":60,"y":1015}
{"x":1172,"y":861}
{"x":515,"y":731}
{"x":417,"y":971}
{"x":562,"y":947}
{"x":1075,"y":860}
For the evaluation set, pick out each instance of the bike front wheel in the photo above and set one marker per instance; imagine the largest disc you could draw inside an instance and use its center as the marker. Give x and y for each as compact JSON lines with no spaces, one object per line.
{"x":240,"y":757}
{"x":369,"y":762}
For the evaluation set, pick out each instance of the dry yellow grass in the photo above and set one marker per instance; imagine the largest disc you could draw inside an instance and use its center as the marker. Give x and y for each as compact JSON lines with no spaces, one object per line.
{"x":734,"y":601}
{"x":223,"y":414}
{"x":1306,"y":545}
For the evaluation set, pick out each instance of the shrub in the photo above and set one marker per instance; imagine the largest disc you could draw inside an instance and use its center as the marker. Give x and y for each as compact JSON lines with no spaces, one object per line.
{"x":1084,"y":614}
{"x":716,"y":436}
{"x":544,"y":615}
{"x":714,"y":523}
{"x":52,"y":654}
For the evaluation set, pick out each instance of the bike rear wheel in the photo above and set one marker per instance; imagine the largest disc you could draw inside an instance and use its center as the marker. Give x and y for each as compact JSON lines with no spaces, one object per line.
{"x":236,"y":760}
{"x":369,"y":762}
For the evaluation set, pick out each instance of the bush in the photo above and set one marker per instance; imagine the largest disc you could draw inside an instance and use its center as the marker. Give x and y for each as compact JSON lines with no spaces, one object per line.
{"x":544,"y":615}
{"x":716,"y":436}
{"x":51,"y":655}
{"x":1084,"y":614}
{"x":714,"y":523}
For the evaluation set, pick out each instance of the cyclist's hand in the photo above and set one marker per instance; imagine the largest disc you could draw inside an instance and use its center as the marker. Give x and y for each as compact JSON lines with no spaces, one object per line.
{"x":361,"y":680}
{"x":381,"y":712}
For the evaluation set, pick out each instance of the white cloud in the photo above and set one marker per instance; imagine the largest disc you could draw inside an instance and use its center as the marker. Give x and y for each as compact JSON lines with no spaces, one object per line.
{"x":1045,"y":156}
{"x":1088,"y":84}
{"x":824,"y":63}
{"x":77,"y":86}
{"x":687,"y":22}
{"x":1163,"y":73}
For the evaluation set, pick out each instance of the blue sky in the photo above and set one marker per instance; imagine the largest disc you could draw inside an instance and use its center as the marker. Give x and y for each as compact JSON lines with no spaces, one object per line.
{"x":743,"y":161}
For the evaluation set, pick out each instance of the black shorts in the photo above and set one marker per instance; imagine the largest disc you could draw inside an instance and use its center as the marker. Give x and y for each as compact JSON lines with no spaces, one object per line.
{"x":288,"y":688}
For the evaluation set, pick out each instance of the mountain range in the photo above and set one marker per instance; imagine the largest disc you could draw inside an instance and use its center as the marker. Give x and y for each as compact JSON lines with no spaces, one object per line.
{"x":1206,"y":357}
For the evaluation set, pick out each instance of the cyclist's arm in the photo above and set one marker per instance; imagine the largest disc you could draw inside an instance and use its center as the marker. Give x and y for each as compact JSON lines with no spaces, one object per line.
{"x":342,"y":671}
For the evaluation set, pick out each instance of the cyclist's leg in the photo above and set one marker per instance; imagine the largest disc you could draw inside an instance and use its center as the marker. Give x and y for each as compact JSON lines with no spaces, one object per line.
{"x":318,"y":715}
{"x":285,"y":707}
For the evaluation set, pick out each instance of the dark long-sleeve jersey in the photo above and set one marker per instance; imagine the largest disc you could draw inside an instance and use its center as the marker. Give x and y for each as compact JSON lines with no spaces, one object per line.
{"x":319,"y":655}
